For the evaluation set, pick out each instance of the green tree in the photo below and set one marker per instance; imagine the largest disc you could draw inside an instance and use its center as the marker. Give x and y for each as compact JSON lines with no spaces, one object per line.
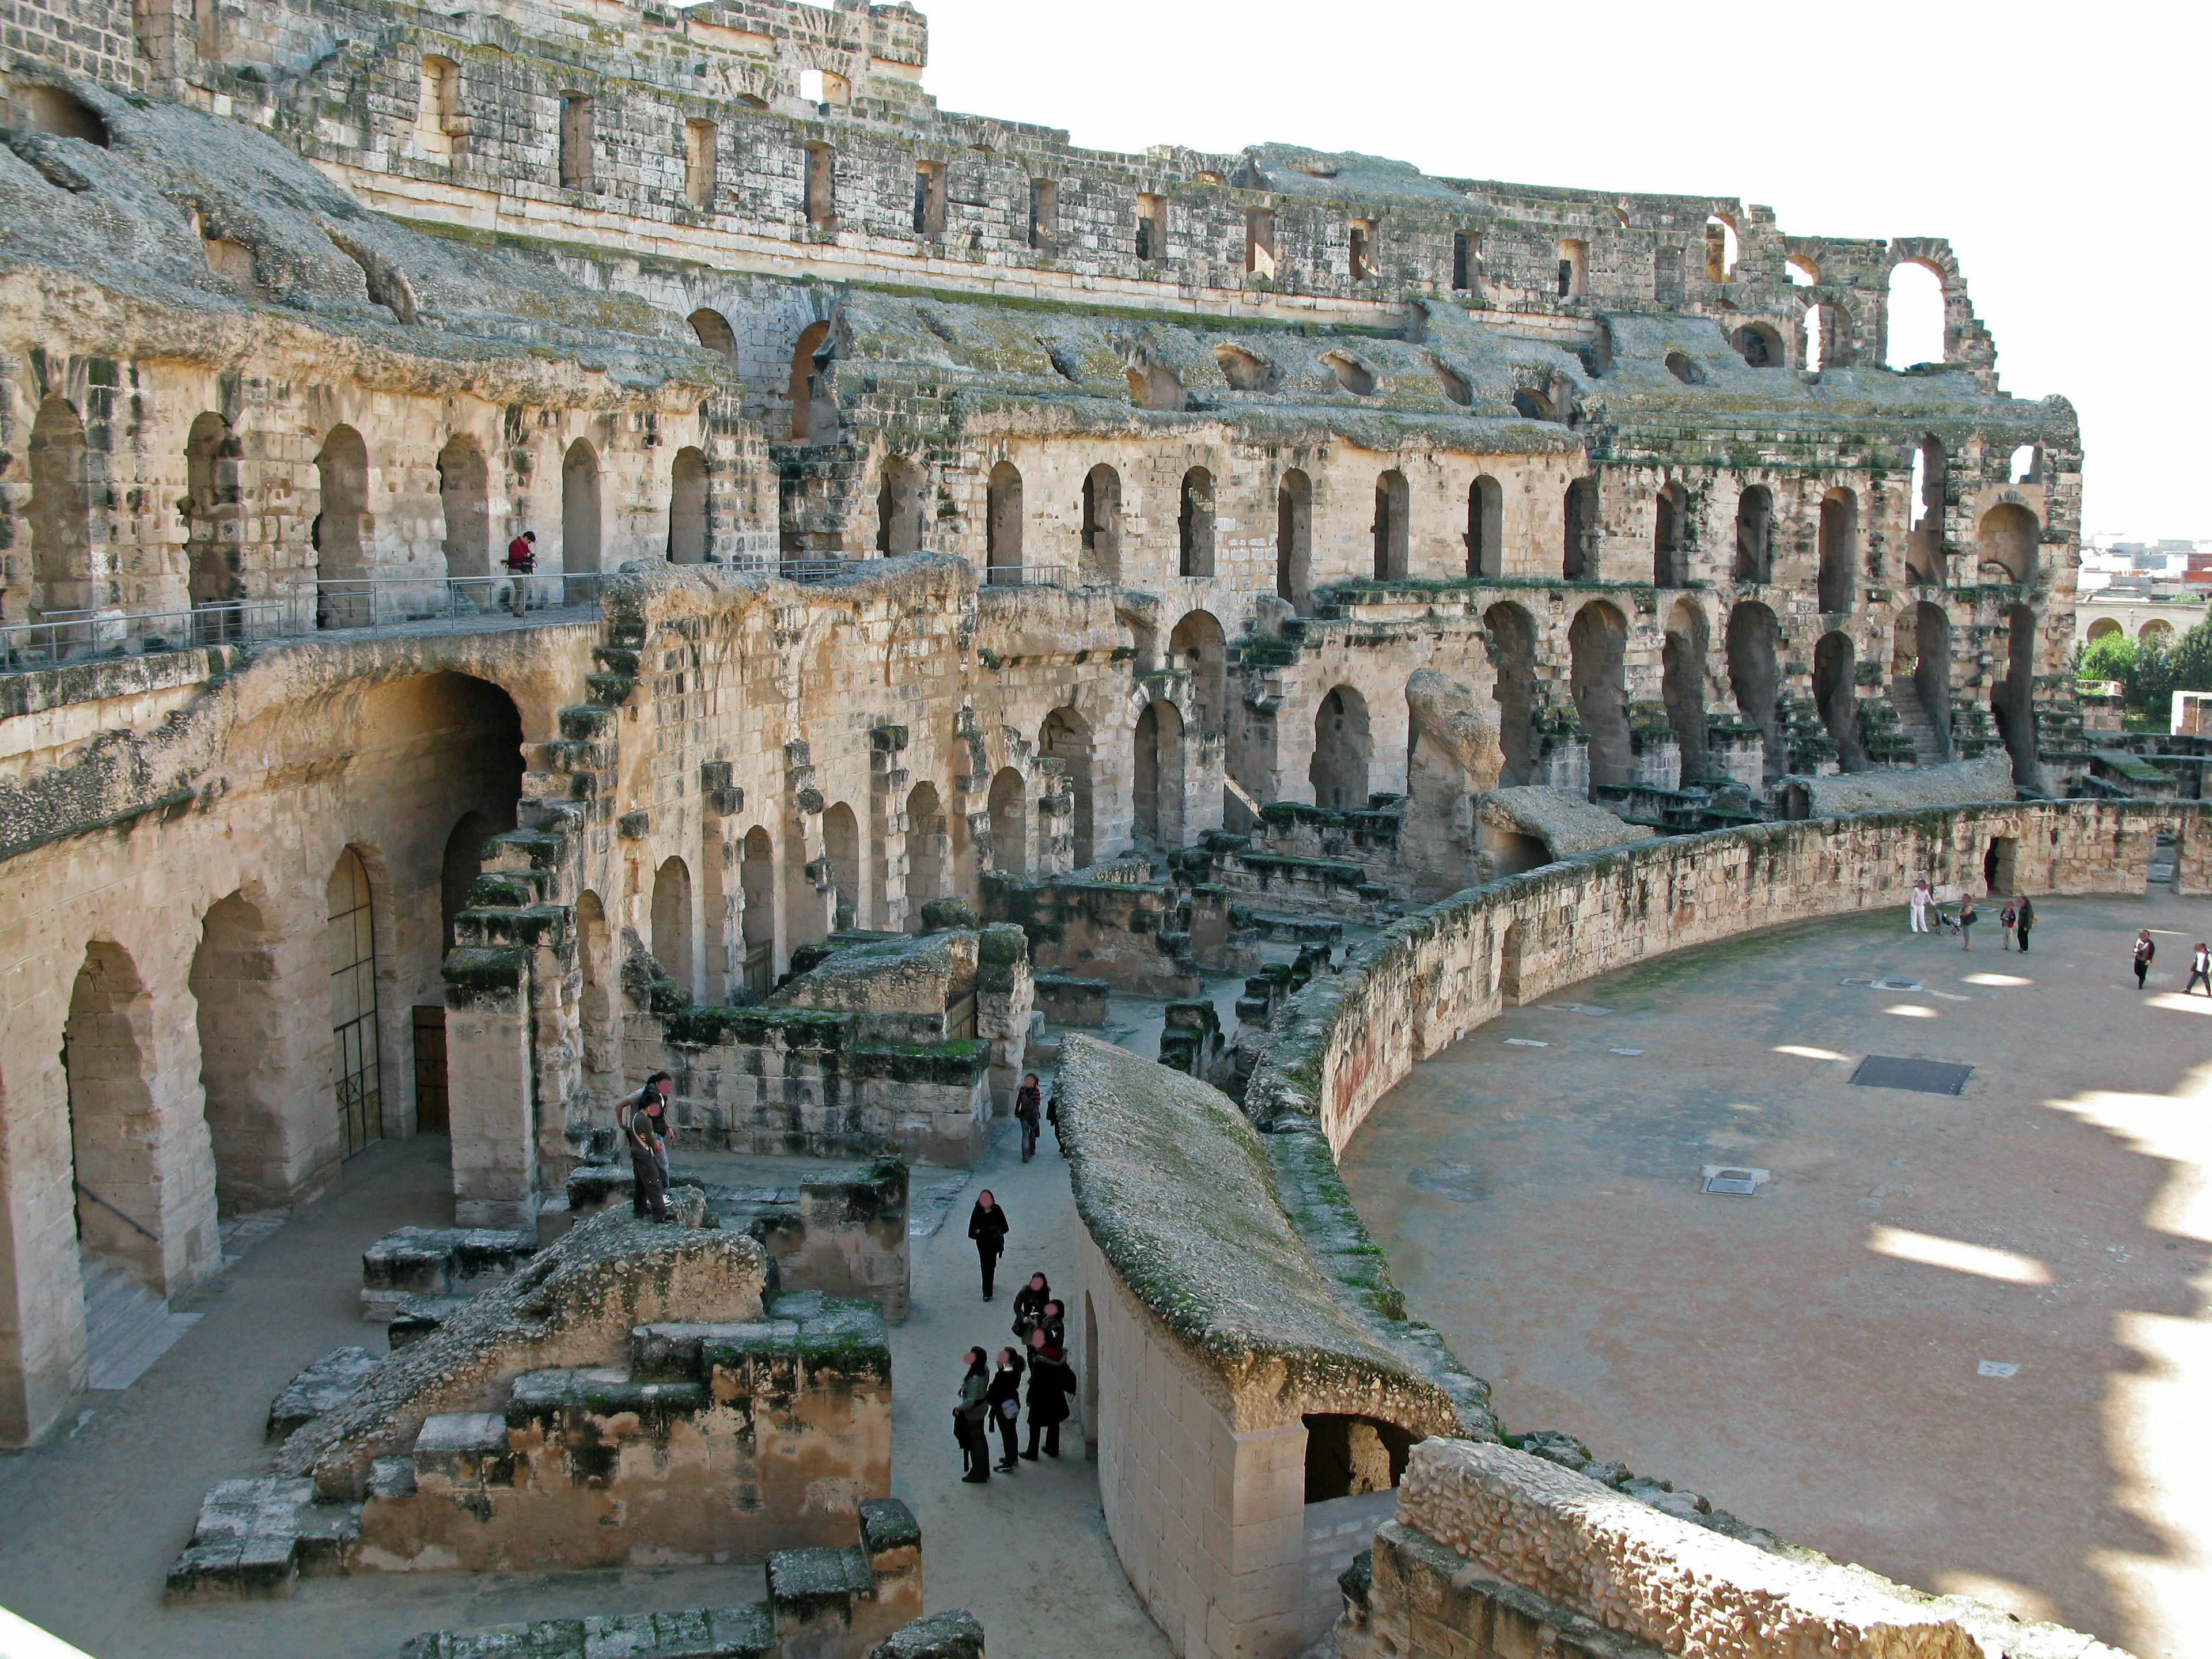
{"x":2159,"y":671}
{"x":2111,"y":658}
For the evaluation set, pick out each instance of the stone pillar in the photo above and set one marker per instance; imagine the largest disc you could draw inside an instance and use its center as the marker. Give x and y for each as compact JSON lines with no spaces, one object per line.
{"x":1203,"y":790}
{"x":489,"y":1081}
{"x":1004,"y":996}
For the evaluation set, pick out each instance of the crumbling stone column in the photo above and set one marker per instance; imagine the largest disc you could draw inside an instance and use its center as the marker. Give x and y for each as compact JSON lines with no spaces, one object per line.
{"x":488,"y":1081}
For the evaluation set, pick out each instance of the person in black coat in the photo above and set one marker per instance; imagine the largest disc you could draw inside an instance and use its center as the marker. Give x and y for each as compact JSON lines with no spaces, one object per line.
{"x":1006,"y":1402}
{"x":1028,"y":1307}
{"x":2146,"y":953}
{"x":1053,"y":1323}
{"x":1051,"y":1382}
{"x":969,"y":1416}
{"x":987,"y":1226}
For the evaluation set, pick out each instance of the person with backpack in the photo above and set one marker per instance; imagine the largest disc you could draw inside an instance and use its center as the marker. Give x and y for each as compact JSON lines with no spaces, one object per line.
{"x":969,"y":1417}
{"x":1028,"y":1102}
{"x":642,"y":1118}
{"x":2146,"y":953}
{"x":1005,"y":1398}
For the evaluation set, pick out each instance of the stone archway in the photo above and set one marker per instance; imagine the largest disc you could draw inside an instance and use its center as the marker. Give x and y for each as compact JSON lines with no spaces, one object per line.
{"x":1343,"y":752}
{"x":1597,"y":642}
{"x":1682,"y":686}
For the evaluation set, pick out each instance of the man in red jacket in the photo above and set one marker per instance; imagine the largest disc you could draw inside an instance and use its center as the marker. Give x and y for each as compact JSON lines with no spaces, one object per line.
{"x":522,"y":559}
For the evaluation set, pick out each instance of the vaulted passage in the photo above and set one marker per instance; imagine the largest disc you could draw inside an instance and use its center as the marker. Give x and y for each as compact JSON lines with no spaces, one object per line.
{"x":691,"y":532}
{"x":1485,"y":528}
{"x":673,"y":941}
{"x":1598,"y":640}
{"x":1839,"y":551}
{"x":928,"y":851}
{"x":107,"y":1051}
{"x":1754,"y":534}
{"x":1294,"y":542}
{"x":1835,"y":666}
{"x":1065,"y":738}
{"x":1683,"y":686}
{"x":60,"y":512}
{"x":1391,"y":506}
{"x":580,"y":509}
{"x":1513,"y":661}
{"x":340,"y":529}
{"x":1010,"y":839}
{"x":900,"y":500}
{"x":1198,"y":647}
{"x":1159,"y":774}
{"x":1002,"y":522}
{"x":211,"y":510}
{"x":1102,"y":524}
{"x":2012,"y":698}
{"x":1343,"y":750}
{"x":1755,"y":676}
{"x":841,"y":847}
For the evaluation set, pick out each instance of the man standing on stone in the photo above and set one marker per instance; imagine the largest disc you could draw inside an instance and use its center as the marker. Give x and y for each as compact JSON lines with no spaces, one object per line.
{"x":642,"y":1117}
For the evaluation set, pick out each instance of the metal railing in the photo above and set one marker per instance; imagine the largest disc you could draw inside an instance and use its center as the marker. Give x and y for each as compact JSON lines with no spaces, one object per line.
{"x":814,"y":570}
{"x":333,"y":604}
{"x":1029,"y":575}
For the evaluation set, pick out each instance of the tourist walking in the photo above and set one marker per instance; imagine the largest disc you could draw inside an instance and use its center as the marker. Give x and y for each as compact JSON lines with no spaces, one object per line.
{"x":987,"y":1226}
{"x":2145,"y":953}
{"x":1029,"y":1304}
{"x":1005,"y":1398}
{"x":642,"y":1118}
{"x":2200,"y":970}
{"x":1923,"y":896}
{"x":1966,"y":919}
{"x":2007,"y":919}
{"x":1029,"y":1105}
{"x":968,"y":1418}
{"x":522,"y":559}
{"x":1050,"y":1384}
{"x":1052,"y":1117}
{"x":2026,"y":920}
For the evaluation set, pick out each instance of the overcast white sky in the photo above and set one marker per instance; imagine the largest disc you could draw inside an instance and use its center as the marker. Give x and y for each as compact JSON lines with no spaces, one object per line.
{"x":2064,"y":153}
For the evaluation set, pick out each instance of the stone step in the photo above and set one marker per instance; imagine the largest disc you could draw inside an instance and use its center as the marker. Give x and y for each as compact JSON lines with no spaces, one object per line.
{"x":127,"y":1327}
{"x":322,"y":1387}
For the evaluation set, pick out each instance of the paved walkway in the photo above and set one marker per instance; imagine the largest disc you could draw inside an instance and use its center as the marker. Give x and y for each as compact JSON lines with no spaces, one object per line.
{"x":1812,"y":1359}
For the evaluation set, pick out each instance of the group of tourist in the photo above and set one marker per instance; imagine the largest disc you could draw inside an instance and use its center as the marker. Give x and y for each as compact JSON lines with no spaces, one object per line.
{"x":2200,"y":963}
{"x":2015,"y":916}
{"x":991,"y":1390}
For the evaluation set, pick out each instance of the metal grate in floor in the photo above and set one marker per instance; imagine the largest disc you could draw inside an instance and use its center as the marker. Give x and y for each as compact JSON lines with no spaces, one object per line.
{"x":1926,"y":1076}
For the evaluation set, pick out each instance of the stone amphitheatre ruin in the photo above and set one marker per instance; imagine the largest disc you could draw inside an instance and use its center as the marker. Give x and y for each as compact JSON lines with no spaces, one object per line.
{"x":973,"y":574}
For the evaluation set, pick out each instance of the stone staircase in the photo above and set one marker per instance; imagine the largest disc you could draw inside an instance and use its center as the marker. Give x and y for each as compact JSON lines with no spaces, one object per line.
{"x":126,"y":1328}
{"x":1912,"y":717}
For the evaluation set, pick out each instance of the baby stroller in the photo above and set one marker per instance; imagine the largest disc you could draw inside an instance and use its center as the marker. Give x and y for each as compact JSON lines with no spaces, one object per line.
{"x":1943,"y":914}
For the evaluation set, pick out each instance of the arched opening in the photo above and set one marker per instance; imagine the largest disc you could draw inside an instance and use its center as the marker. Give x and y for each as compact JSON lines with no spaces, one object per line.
{"x":342,"y":481}
{"x":688,"y":527}
{"x":1391,"y":499}
{"x":1352,"y":374}
{"x":458,"y":869}
{"x":1580,"y":559}
{"x":674,"y":944}
{"x":1670,"y":537}
{"x":235,"y":978}
{"x":1683,"y":369}
{"x":1343,"y":748}
{"x":813,"y":414}
{"x":1102,"y":524}
{"x":1720,"y":250}
{"x":1246,"y":371}
{"x":1759,"y":346}
{"x":2012,"y":699}
{"x":841,"y":847}
{"x":212,"y":511}
{"x":1682,"y":686}
{"x":595,"y":1006}
{"x":1195,"y":523}
{"x":1158,"y":789}
{"x":2006,"y":543}
{"x":1065,"y":738}
{"x":1485,"y":528}
{"x":1924,"y":542}
{"x":2156,"y":632}
{"x":899,"y":504}
{"x":1352,"y":1456}
{"x":1512,"y":950}
{"x":464,"y":493}
{"x":757,"y":880}
{"x":2104,"y":628}
{"x":1597,"y":642}
{"x":1931,"y":672}
{"x":1533,"y":405}
{"x":1755,"y":676}
{"x":1754,"y":534}
{"x":928,"y":851}
{"x":1835,"y":671}
{"x":1915,"y":316}
{"x":580,"y":509}
{"x":60,"y":512}
{"x":60,"y":113}
{"x":1827,"y":337}
{"x":1155,"y":385}
{"x":1002,"y":521}
{"x":714,"y":333}
{"x":1198,"y":645}
{"x":2026,"y":465}
{"x":114,"y":1127}
{"x":1839,"y":549}
{"x":1010,"y":837}
{"x":356,"y":1038}
{"x":1294,"y":542}
{"x":1513,"y":685}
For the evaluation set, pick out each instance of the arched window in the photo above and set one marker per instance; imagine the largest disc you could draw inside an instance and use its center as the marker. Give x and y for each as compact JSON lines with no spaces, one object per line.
{"x":713,"y":331}
{"x":1670,"y":537}
{"x":356,"y":1072}
{"x":580,"y":509}
{"x":1157,"y":791}
{"x":211,"y":456}
{"x":689,"y":530}
{"x":1720,"y":250}
{"x":929,"y":850}
{"x":1755,"y":676}
{"x":60,"y":113}
{"x":1294,"y":542}
{"x":673,"y":945}
{"x":1102,"y":524}
{"x":1198,"y":645}
{"x":841,"y":849}
{"x":1759,"y":346}
{"x":1002,"y":523}
{"x":813,"y":414}
{"x":1682,"y":686}
{"x":1485,"y":528}
{"x":2007,"y":539}
{"x":1512,"y":633}
{"x":1597,"y":643}
{"x":464,"y":492}
{"x":1915,"y":316}
{"x":1580,"y":561}
{"x":60,"y":511}
{"x":1195,"y":523}
{"x":1839,"y":549}
{"x":1343,"y":748}
{"x":1065,"y":738}
{"x":1835,"y":672}
{"x":1009,"y":806}
{"x":757,"y":879}
{"x":2026,"y":465}
{"x":1754,"y":534}
{"x":1391,"y":502}
{"x":899,"y":506}
{"x":341,"y":478}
